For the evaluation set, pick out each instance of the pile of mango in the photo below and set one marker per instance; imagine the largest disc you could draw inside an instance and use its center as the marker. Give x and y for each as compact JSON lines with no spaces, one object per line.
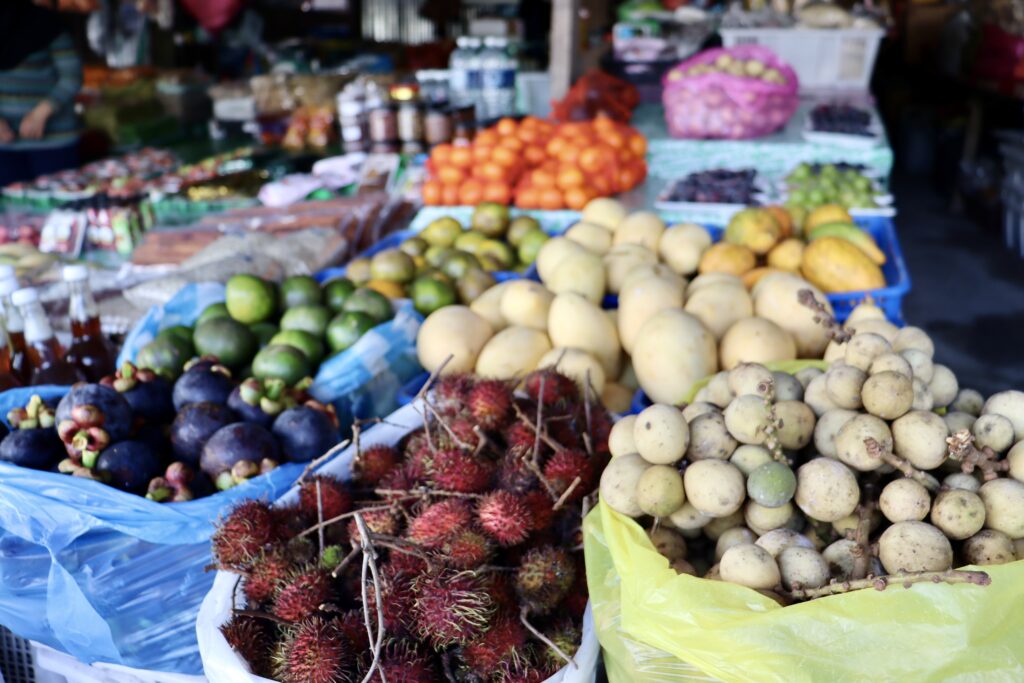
{"x":823,"y":246}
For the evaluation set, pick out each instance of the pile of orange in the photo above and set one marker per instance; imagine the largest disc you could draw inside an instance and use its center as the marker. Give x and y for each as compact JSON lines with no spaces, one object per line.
{"x":537,"y":164}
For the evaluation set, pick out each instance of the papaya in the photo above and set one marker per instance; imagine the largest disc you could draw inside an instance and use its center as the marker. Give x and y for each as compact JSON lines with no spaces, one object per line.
{"x":787,"y":254}
{"x":835,"y":265}
{"x":755,"y":229}
{"x":724,"y":257}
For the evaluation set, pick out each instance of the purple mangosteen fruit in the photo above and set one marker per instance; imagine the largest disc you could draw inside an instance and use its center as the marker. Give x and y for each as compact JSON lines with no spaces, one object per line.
{"x":128,"y":466}
{"x":194,"y":426}
{"x":305,"y":433}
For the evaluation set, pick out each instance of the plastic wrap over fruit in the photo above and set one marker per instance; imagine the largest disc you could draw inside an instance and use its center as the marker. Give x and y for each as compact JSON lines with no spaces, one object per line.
{"x":733,"y":93}
{"x":221,"y":664}
{"x":106,"y":575}
{"x":361,"y":382}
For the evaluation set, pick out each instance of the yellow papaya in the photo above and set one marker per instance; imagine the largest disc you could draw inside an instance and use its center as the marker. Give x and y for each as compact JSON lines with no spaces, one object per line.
{"x":723,"y":257}
{"x":835,"y":265}
{"x":787,"y":255}
{"x":755,"y":229}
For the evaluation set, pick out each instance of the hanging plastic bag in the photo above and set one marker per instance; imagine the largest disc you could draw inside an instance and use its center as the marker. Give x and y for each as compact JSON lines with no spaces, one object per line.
{"x":106,"y":575}
{"x":213,"y":15}
{"x":361,"y":382}
{"x":221,"y":664}
{"x":705,"y":103}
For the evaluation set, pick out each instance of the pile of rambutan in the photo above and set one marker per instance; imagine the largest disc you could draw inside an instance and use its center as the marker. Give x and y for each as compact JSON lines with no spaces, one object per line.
{"x":452,"y":555}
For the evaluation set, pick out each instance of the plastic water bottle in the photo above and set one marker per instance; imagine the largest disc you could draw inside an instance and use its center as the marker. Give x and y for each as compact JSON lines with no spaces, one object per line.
{"x":464,"y":69}
{"x":499,"y":79}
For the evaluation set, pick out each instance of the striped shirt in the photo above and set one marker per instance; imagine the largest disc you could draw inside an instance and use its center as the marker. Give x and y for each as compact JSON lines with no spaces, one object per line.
{"x":54,"y":73}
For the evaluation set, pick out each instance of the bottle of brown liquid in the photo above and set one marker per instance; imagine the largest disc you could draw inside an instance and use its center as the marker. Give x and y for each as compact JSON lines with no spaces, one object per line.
{"x":15,"y":325}
{"x":7,"y":378}
{"x":43,"y":353}
{"x":89,"y":351}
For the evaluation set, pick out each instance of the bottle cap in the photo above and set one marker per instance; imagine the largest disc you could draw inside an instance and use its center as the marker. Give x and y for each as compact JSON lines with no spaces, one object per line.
{"x":76,"y":273}
{"x":24,"y":296}
{"x":6,"y":271}
{"x":8,"y":285}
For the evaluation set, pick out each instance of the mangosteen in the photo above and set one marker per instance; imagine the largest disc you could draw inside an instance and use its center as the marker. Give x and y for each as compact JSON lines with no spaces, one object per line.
{"x":36,"y":413}
{"x":305,"y":433}
{"x":128,"y":465}
{"x":40,"y":449}
{"x":158,"y":438}
{"x":203,"y":384}
{"x":148,"y":394}
{"x":194,"y":426}
{"x":173,"y":486}
{"x":238,"y":452}
{"x":94,"y":405}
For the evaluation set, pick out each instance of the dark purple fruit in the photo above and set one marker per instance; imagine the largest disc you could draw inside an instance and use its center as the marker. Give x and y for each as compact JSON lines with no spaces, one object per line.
{"x":128,"y":465}
{"x":247,"y":411}
{"x":152,"y":400}
{"x":202,"y":385}
{"x":305,"y":433}
{"x":194,"y":426}
{"x":40,"y":449}
{"x":157,"y":437}
{"x":116,"y":413}
{"x":237,"y":442}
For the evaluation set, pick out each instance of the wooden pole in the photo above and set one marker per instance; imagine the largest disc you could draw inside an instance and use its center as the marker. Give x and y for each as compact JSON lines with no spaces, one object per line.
{"x":565,"y":49}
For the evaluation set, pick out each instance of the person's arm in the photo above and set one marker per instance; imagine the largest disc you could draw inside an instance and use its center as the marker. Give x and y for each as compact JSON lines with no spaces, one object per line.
{"x":69,"y":81}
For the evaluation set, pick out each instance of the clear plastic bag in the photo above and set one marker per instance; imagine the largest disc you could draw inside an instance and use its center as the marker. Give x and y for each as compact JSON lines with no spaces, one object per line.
{"x":106,"y":575}
{"x":221,"y":664}
{"x":723,"y":105}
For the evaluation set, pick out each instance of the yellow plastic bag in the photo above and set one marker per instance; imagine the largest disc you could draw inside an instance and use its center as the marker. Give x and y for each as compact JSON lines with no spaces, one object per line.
{"x":656,"y":626}
{"x":716,"y":630}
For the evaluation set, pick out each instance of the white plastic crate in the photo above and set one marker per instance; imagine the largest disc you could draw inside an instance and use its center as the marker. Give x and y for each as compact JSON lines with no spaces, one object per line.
{"x":824,"y":59}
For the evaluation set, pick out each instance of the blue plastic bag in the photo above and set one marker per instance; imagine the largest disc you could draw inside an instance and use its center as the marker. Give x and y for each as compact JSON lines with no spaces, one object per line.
{"x":106,"y":575}
{"x":361,"y":382}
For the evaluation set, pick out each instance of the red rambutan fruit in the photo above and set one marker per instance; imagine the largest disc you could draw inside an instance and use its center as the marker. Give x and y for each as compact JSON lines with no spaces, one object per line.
{"x":503,"y":641}
{"x":544,"y":578}
{"x":406,"y":563}
{"x":374,"y":463}
{"x":541,"y":509}
{"x":520,"y":437}
{"x":504,"y":518}
{"x":450,"y":392}
{"x":451,"y":607}
{"x":251,"y":638}
{"x":398,"y":599}
{"x":438,"y":521}
{"x":490,"y":403}
{"x":334,"y":496}
{"x":520,"y":670}
{"x":558,"y":390}
{"x":562,"y":469}
{"x":467,"y":549}
{"x":314,"y":651}
{"x":464,"y":430}
{"x":402,"y":662}
{"x":243,"y":534}
{"x":565,"y":433}
{"x":384,"y":522}
{"x":502,"y":592}
{"x":600,"y":426}
{"x":352,"y":623}
{"x":402,"y":479}
{"x":265,"y":576}
{"x":456,"y":470}
{"x":301,"y":594}
{"x":288,"y":521}
{"x":513,"y":473}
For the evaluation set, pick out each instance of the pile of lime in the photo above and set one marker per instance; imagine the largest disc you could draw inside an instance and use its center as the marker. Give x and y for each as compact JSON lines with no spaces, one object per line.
{"x":448,"y":263}
{"x":268,"y":331}
{"x":811,"y":186}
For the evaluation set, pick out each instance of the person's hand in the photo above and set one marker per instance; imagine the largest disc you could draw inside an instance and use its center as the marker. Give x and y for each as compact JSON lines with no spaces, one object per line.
{"x":6,"y":134}
{"x":34,"y":124}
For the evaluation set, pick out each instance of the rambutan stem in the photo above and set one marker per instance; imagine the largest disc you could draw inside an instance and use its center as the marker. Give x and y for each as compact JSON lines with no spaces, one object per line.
{"x":346,"y":561}
{"x":370,"y":563}
{"x":346,"y":515}
{"x":875,"y":450}
{"x":586,"y":411}
{"x":532,"y":463}
{"x":319,"y":517}
{"x":543,"y":638}
{"x":882,"y":582}
{"x":316,"y":462}
{"x":568,"y":492}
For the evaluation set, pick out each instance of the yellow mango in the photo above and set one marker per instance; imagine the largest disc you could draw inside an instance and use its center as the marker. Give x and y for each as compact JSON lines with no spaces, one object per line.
{"x":787,"y":255}
{"x":755,"y":229}
{"x":724,"y":257}
{"x":826,"y":213}
{"x":835,"y":265}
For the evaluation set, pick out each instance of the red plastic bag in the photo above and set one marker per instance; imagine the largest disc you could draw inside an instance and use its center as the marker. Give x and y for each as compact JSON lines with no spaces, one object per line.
{"x":597,"y":93}
{"x":213,"y":15}
{"x":723,"y":105}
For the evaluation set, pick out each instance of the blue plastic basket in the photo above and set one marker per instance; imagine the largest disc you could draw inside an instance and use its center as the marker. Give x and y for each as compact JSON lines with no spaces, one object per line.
{"x":407,"y":393}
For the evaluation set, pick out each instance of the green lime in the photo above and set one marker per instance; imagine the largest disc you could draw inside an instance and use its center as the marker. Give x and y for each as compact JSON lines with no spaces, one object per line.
{"x":218,"y":310}
{"x":228,"y":340}
{"x":181,"y":333}
{"x":475,"y":282}
{"x":358,"y":270}
{"x":429,"y":294}
{"x":531,"y":244}
{"x":251,"y":299}
{"x":435,"y":274}
{"x":520,"y":227}
{"x":346,"y":329}
{"x":456,"y":265}
{"x":470,"y":241}
{"x":490,"y":218}
{"x":164,"y":356}
{"x":264,"y":332}
{"x":370,"y":302}
{"x":312,"y":319}
{"x":337,"y":292}
{"x":442,"y":232}
{"x":393,"y":265}
{"x":501,"y":252}
{"x":301,"y":290}
{"x":303,"y":341}
{"x":435,"y":256}
{"x":282,"y":362}
{"x":414,"y":246}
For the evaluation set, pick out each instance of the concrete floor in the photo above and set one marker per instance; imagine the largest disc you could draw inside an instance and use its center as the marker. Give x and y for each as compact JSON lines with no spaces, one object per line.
{"x":968,"y":289}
